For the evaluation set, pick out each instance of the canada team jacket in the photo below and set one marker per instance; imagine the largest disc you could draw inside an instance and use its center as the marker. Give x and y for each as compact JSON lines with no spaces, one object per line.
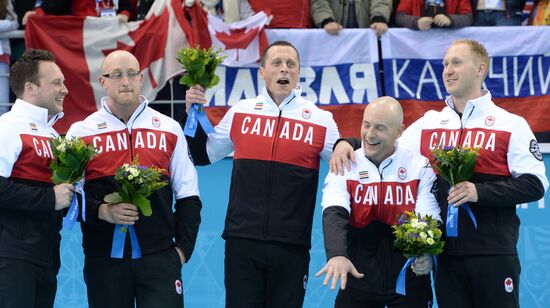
{"x":509,"y":170}
{"x":157,"y":141}
{"x":29,"y":224}
{"x":275,"y":167}
{"x":360,"y":207}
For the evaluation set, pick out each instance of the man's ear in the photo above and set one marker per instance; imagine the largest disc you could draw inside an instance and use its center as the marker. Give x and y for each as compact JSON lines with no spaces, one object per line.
{"x":101,"y":80}
{"x":482,"y":69}
{"x":262,"y":72}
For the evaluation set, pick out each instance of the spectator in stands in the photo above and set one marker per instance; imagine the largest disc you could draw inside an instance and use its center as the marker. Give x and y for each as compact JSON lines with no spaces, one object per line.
{"x":229,"y":10}
{"x":498,"y":13}
{"x":423,"y":15}
{"x":333,"y":15}
{"x":8,"y":22}
{"x":140,"y":8}
{"x":21,"y":7}
{"x":286,"y":13}
{"x":101,"y":8}
{"x":541,"y":13}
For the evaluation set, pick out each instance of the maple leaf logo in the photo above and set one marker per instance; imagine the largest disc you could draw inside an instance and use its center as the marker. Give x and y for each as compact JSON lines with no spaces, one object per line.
{"x":149,"y":42}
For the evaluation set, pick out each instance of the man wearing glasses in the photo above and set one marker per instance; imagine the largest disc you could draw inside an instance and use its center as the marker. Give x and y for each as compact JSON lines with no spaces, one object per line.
{"x":124,"y":129}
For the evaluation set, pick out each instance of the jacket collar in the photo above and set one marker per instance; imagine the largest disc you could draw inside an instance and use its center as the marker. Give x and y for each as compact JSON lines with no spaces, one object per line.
{"x":143,"y":104}
{"x":34,"y":113}
{"x":481,"y":103}
{"x":293,"y":95}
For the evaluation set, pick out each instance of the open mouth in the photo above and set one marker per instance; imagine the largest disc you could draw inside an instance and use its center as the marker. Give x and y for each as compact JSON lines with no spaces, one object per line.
{"x":283,"y":81}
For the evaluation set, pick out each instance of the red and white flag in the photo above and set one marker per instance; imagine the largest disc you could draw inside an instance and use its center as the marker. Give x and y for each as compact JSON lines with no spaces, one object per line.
{"x":81,"y":43}
{"x":242,"y":41}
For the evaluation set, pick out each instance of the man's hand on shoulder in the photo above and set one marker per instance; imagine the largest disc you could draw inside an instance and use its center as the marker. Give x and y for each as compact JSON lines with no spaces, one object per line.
{"x":341,"y":156}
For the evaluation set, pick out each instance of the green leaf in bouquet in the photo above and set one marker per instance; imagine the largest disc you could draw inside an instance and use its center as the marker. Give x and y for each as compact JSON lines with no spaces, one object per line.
{"x":64,"y":173}
{"x":124,"y":193}
{"x":196,"y":69}
{"x":143,"y":204}
{"x":61,"y":156}
{"x":187,"y":80}
{"x":72,"y":162}
{"x":56,"y":179}
{"x":215,"y":80}
{"x":113,"y":198}
{"x":204,"y":80}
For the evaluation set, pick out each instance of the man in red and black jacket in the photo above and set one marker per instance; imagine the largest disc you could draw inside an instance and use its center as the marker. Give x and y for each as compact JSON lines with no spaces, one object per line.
{"x":126,"y":128}
{"x":30,"y":216}
{"x":278,"y":139}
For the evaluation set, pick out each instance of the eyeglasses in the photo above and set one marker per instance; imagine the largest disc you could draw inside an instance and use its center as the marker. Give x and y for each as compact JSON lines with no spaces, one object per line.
{"x":119,"y":75}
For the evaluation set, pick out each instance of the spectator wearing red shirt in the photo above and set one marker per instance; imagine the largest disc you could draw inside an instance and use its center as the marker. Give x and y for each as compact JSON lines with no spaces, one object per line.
{"x":423,"y":15}
{"x":286,"y":13}
{"x":81,"y":8}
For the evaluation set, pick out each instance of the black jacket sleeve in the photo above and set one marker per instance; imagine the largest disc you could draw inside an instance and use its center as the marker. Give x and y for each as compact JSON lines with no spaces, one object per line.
{"x":335,"y":231}
{"x":197,"y":145}
{"x":26,"y":198}
{"x":510,"y":191}
{"x":354,"y":142}
{"x":188,"y":219}
{"x":92,"y":208}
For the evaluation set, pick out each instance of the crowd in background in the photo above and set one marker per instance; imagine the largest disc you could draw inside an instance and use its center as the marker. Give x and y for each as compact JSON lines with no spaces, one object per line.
{"x":331,"y":15}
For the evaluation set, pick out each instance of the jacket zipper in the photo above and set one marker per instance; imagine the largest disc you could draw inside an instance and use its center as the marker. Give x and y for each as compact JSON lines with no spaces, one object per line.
{"x":269,"y":176}
{"x":380,"y":205}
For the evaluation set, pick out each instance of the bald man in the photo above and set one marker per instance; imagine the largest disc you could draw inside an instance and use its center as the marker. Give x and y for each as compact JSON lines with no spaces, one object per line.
{"x":125,"y":128}
{"x":360,"y":206}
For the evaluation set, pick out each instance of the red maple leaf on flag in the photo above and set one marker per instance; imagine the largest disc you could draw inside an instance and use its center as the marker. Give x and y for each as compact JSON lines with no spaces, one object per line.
{"x":237,"y":38}
{"x":149,"y":42}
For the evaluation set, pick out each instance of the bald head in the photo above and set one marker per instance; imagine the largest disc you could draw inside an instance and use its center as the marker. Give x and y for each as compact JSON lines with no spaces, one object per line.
{"x":121,"y":78}
{"x":117,"y":58}
{"x":387,"y":108}
{"x":382,"y":125}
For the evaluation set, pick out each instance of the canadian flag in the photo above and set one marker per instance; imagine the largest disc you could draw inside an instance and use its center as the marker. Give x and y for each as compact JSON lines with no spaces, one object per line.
{"x":242,"y":41}
{"x":81,"y":43}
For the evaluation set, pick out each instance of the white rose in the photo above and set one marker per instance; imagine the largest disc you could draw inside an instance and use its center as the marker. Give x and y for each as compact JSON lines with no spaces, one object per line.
{"x":430,"y":233}
{"x":430,"y":241}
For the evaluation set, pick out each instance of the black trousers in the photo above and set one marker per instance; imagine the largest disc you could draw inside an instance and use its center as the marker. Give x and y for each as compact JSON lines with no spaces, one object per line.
{"x":26,"y":285}
{"x":419,"y":295}
{"x":478,"y":281}
{"x":265,"y":274}
{"x":152,"y":281}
